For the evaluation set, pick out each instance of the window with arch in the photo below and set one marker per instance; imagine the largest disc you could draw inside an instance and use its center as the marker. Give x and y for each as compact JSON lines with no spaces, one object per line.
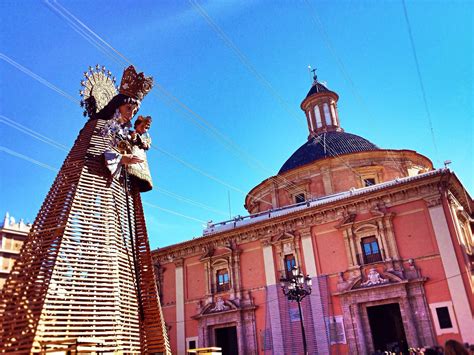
{"x":317,"y":114}
{"x":327,"y":115}
{"x":310,"y":119}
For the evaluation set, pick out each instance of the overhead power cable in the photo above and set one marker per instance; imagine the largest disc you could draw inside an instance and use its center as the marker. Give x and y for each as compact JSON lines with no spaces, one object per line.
{"x":345,"y":74}
{"x":196,"y":119}
{"x":329,"y":149}
{"x":251,"y":68}
{"x":55,"y":144}
{"x":173,"y":212}
{"x":246,"y":62}
{"x":37,"y":78}
{"x":27,"y":158}
{"x":86,"y":32}
{"x":420,"y":80}
{"x":243,"y":59}
{"x":32,"y":133}
{"x":210,"y":176}
{"x":46,"y":166}
{"x":188,"y":200}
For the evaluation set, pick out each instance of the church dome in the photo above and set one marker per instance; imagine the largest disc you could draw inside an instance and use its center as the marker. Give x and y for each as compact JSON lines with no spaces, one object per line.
{"x":327,"y":145}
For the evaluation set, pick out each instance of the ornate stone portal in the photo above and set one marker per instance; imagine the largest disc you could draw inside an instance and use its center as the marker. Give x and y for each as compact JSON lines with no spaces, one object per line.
{"x":404,"y":288}
{"x":225,"y":313}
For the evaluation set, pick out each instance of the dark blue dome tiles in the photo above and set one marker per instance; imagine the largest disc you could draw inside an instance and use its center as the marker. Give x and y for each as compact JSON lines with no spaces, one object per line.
{"x":327,"y":145}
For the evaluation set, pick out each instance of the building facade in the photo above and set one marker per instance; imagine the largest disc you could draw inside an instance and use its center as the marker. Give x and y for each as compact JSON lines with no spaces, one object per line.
{"x":386,"y":238}
{"x":12,"y":236}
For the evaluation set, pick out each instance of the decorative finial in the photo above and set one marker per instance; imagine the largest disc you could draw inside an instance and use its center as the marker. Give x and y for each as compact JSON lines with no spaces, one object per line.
{"x":314,"y":76}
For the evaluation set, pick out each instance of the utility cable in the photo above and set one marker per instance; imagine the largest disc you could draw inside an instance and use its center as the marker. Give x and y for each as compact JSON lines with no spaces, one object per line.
{"x":188,"y":200}
{"x":202,"y":172}
{"x":55,"y":144}
{"x":37,"y":78}
{"x":251,"y":68}
{"x":420,"y":79}
{"x":31,"y":160}
{"x":32,"y":133}
{"x":246,"y":62}
{"x":82,"y":32}
{"x":173,"y":212}
{"x":46,"y":166}
{"x":243,"y":59}
{"x":198,"y":119}
{"x":327,"y":41}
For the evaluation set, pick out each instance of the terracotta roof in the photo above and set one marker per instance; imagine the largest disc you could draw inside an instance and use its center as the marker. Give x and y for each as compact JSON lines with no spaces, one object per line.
{"x":327,"y":145}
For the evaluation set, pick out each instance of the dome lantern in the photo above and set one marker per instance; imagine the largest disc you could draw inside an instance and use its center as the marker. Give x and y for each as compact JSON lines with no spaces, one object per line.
{"x":320,"y":107}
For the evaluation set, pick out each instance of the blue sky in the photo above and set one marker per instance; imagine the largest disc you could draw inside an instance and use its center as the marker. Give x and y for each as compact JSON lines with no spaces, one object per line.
{"x":361,"y":49}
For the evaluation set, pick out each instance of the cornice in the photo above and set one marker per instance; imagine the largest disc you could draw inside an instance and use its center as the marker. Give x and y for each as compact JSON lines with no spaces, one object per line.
{"x":294,"y":221}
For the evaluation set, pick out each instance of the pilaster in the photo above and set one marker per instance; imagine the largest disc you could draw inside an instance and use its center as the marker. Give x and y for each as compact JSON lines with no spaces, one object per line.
{"x":272,"y":295}
{"x":308,"y":252}
{"x":180,"y":331}
{"x":453,"y":272}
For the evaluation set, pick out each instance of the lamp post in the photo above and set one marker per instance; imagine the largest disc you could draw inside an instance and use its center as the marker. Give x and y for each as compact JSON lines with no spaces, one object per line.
{"x":296,"y":288}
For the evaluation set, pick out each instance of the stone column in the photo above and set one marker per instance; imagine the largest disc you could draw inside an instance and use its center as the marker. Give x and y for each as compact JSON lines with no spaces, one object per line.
{"x":453,"y":273}
{"x":180,"y":332}
{"x":273,"y":306}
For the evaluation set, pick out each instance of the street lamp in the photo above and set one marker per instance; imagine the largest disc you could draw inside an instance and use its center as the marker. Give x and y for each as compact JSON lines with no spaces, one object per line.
{"x":296,"y":288}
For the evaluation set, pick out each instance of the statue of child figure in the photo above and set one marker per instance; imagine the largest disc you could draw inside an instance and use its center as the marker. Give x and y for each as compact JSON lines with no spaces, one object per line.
{"x":141,"y":142}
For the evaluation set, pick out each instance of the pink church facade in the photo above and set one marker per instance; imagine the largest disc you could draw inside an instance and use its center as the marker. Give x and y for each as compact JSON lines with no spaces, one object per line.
{"x":386,"y":238}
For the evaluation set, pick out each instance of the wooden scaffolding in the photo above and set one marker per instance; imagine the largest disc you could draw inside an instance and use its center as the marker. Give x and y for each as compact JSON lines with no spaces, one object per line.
{"x":85,"y":271}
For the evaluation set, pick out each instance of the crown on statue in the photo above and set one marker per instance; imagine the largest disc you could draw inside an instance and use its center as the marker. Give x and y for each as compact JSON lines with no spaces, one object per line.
{"x":135,"y":85}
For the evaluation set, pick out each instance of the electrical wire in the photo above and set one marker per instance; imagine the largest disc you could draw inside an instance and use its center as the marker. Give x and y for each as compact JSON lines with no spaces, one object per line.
{"x":243,"y":59}
{"x":202,"y":172}
{"x":173,"y":212}
{"x":55,"y":144}
{"x":31,"y":133}
{"x":196,"y":118}
{"x":420,"y":79}
{"x":37,"y":78}
{"x":246,"y":62}
{"x":81,"y":32}
{"x":46,"y":166}
{"x":24,"y":157}
{"x":188,"y":200}
{"x":332,"y":152}
{"x":327,"y":41}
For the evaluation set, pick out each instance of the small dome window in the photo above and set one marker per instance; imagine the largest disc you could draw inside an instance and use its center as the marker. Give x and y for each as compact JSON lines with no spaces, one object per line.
{"x":327,"y":116}
{"x":318,"y":117}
